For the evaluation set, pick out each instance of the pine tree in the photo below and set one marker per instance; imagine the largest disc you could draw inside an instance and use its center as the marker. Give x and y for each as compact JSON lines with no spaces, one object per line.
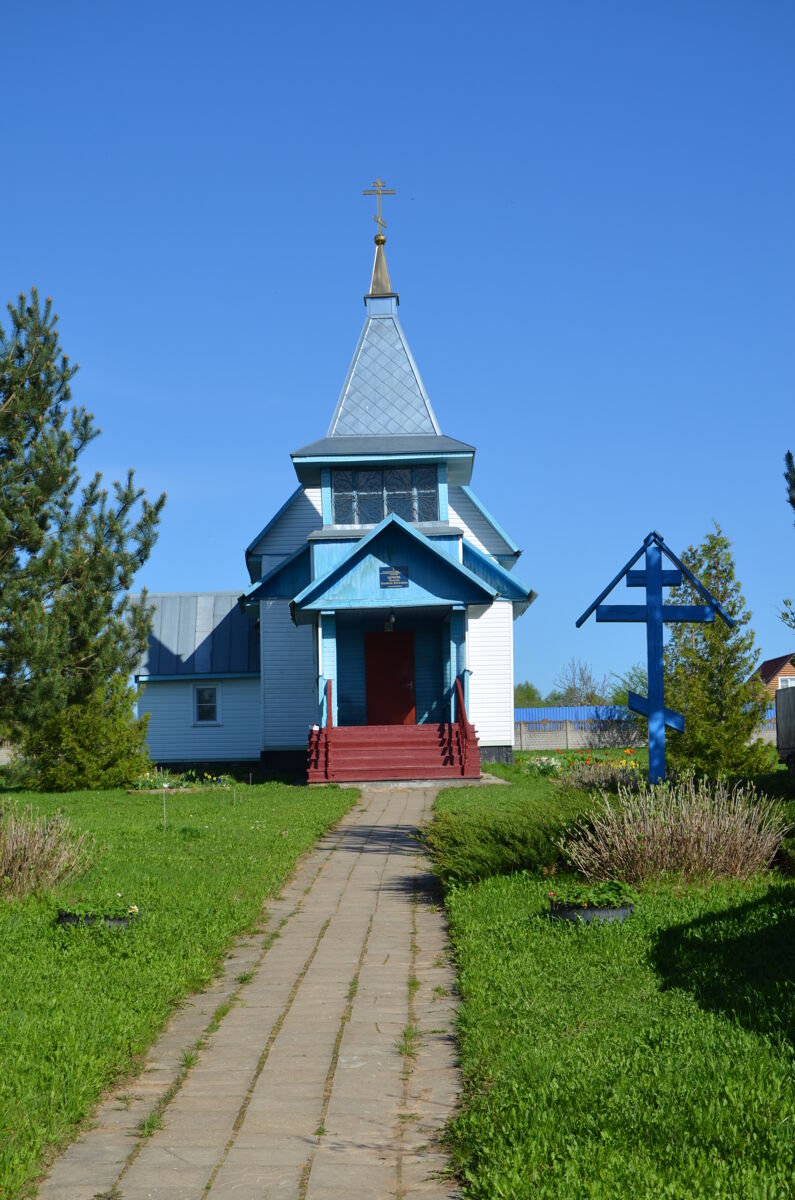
{"x":710,"y":672}
{"x":68,"y":553}
{"x":788,"y":610}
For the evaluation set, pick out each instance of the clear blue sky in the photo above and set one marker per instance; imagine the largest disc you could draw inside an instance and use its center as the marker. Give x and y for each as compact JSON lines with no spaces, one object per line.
{"x":592,"y":240}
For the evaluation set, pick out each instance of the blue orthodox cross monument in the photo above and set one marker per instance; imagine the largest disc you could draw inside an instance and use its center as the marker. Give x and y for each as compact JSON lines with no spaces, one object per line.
{"x":654,"y":613}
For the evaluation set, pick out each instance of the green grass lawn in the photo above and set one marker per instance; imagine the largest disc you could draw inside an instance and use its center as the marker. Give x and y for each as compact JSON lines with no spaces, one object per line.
{"x":652,"y":1059}
{"x":79,"y":1006}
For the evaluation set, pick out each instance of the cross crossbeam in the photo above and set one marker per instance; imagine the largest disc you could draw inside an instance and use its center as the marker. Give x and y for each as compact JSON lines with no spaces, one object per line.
{"x":638,"y":578}
{"x":670,"y":612}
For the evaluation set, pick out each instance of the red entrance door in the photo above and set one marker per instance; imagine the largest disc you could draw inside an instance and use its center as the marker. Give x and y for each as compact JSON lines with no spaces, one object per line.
{"x":389,"y":678}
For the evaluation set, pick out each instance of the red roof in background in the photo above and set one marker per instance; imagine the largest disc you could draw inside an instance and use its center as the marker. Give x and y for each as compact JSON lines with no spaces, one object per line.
{"x":771,"y":667}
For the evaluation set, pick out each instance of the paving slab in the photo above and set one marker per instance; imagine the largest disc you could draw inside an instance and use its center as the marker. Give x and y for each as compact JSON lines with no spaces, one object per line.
{"x":304,"y":1090}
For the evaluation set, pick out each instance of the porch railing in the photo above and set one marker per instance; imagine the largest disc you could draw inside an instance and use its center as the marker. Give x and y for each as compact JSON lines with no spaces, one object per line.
{"x":329,"y":727}
{"x":466,"y":732}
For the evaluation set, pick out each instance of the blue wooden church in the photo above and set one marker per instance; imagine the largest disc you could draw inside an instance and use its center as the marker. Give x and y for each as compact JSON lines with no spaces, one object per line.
{"x":376,"y":637}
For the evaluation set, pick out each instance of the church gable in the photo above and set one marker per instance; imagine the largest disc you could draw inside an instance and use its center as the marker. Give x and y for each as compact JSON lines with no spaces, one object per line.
{"x":393,"y":567}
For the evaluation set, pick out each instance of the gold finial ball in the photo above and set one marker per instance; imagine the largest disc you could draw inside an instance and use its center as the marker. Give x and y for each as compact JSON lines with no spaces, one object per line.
{"x":380,"y":239}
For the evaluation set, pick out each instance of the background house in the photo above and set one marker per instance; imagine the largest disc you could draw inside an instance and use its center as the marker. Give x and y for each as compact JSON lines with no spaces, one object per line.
{"x":777,"y":673}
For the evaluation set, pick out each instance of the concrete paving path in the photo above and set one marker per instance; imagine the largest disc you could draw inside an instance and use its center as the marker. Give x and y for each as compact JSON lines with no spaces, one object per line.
{"x":325,"y":1065}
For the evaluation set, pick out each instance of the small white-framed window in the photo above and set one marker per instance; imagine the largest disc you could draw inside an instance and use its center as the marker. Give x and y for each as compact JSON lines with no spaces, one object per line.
{"x":786,"y":681}
{"x":206,"y":704}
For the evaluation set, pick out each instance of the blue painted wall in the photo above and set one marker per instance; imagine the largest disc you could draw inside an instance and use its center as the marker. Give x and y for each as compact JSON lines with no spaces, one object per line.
{"x":444,"y":511}
{"x":329,"y":665}
{"x":291,"y":579}
{"x":326,"y":554}
{"x":448,"y":546}
{"x":352,"y":703}
{"x":325,"y":495}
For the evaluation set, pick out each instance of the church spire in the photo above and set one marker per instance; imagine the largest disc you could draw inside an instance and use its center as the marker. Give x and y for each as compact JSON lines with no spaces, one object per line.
{"x":380,"y":284}
{"x":383,"y":395}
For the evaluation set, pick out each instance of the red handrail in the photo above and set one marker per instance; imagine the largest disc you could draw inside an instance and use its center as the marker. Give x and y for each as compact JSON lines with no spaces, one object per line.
{"x":466,"y":730}
{"x":329,"y":727}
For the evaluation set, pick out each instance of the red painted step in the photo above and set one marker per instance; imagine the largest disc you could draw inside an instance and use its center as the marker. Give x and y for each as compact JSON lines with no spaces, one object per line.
{"x":361,"y":752}
{"x":363,"y":775}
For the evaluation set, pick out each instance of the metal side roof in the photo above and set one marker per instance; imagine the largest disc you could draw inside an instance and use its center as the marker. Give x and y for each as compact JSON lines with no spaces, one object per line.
{"x":199,"y":633}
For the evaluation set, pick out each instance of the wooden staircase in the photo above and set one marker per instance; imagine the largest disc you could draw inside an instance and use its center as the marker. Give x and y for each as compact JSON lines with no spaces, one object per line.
{"x":350,"y":753}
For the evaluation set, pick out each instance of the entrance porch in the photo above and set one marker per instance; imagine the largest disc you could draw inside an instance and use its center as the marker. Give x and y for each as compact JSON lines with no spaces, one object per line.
{"x":393,"y":697}
{"x":389,"y":611}
{"x":353,"y":753}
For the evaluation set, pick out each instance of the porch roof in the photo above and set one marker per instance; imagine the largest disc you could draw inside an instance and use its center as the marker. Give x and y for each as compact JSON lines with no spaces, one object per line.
{"x":430,"y":578}
{"x":504,"y":581}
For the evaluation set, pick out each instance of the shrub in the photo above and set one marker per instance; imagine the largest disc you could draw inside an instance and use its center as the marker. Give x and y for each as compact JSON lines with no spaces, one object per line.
{"x":96,"y":744}
{"x":608,"y":776}
{"x":38,"y":852}
{"x":697,"y":830}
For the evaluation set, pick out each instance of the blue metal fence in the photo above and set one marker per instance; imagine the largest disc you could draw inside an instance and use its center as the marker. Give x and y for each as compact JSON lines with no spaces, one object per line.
{"x":596,"y":712}
{"x":573,"y":712}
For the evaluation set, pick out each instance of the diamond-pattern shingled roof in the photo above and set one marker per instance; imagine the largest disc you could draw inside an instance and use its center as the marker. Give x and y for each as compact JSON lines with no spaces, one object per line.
{"x":383,"y":393}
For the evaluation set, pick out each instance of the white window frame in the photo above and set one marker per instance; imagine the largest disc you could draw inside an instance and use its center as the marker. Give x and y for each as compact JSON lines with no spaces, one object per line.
{"x":207,"y":724}
{"x":786,"y":681}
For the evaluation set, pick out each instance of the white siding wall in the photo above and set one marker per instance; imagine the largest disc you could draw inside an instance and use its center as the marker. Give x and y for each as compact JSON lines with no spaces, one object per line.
{"x":291,"y":529}
{"x":173,"y":737}
{"x":467,"y":516}
{"x":289,"y":677}
{"x":490,"y":659}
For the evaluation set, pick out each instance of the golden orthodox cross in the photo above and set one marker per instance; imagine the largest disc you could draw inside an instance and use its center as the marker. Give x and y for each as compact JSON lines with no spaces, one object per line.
{"x":378,"y":189}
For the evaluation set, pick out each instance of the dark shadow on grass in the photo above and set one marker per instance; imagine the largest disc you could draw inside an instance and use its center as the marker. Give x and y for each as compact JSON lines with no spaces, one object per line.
{"x":740,"y":962}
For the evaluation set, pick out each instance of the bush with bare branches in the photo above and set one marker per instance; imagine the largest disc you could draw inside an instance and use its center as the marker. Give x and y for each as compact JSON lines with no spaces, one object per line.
{"x":694,"y":829}
{"x":606,"y":776}
{"x":38,"y":852}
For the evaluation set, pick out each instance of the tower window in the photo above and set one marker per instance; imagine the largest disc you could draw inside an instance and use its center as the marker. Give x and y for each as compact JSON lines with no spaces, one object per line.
{"x":366,"y":497}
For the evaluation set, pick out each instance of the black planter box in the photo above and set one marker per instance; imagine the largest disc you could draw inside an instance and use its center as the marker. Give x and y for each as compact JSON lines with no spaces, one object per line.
{"x":575,"y":913}
{"x":71,"y":918}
